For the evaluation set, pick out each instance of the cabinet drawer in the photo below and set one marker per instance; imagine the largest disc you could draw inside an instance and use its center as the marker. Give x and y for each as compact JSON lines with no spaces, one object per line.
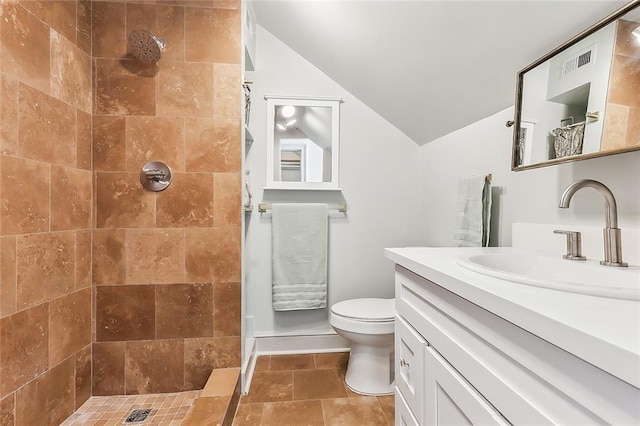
{"x":403,"y":416}
{"x":450,"y":399}
{"x":409,"y":366}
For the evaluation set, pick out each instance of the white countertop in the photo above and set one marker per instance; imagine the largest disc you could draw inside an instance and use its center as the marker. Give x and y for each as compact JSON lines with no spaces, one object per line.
{"x":602,"y":331}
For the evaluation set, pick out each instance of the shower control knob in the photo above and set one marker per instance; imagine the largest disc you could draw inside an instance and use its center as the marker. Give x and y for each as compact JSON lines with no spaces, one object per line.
{"x":155,"y":176}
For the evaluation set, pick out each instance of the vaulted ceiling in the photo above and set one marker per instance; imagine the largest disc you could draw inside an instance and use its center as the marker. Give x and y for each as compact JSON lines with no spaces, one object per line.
{"x":428,"y":67}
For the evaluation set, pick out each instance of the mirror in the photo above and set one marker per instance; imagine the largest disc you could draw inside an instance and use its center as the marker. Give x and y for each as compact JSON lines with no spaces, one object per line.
{"x":303,"y":143}
{"x":583,"y":99}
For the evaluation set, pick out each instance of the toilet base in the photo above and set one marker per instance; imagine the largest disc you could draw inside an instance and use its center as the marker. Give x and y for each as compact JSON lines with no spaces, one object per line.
{"x":370,"y":369}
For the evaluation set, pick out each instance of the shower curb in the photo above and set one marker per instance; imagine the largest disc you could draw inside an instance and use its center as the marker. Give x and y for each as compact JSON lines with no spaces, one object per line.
{"x":218,"y":401}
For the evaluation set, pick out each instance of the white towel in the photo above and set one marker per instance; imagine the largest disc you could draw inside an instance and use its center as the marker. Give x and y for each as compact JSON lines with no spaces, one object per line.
{"x":473,"y":214}
{"x":299,"y":256}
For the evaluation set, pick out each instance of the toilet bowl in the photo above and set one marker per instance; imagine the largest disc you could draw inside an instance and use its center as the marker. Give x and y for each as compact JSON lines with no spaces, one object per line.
{"x":368,"y":325}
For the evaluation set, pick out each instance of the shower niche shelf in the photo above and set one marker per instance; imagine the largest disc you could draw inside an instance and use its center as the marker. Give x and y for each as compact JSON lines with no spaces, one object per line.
{"x":248,"y":139}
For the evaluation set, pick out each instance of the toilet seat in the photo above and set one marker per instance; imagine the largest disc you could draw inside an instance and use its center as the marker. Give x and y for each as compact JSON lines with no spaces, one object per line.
{"x":368,"y":309}
{"x":365,"y":316}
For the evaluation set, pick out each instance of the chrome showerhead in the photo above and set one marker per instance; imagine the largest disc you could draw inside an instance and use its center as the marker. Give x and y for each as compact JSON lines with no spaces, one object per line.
{"x":145,"y":46}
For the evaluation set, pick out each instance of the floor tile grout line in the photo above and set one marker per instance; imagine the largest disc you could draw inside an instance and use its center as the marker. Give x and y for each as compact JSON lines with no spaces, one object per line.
{"x":324,"y":414}
{"x":293,"y":387}
{"x":384,"y":415}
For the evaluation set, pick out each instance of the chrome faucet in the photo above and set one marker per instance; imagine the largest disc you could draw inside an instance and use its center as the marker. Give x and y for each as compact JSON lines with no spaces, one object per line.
{"x":612,"y":234}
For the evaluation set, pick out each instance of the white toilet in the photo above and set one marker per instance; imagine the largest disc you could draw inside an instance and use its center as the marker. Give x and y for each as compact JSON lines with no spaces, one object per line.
{"x":368,"y":325}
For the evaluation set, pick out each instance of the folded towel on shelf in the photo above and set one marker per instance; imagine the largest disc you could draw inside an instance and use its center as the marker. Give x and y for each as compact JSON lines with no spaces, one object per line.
{"x":299,"y":256}
{"x":473,"y":214}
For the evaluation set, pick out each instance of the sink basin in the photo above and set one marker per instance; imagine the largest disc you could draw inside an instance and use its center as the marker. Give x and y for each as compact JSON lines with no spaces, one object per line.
{"x":559,"y":274}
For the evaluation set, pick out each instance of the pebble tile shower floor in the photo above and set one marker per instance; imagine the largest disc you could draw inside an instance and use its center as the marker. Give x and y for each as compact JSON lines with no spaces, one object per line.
{"x":166,"y":409}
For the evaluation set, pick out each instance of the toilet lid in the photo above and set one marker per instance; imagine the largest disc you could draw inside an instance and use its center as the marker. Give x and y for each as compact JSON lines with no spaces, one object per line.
{"x":366,"y":309}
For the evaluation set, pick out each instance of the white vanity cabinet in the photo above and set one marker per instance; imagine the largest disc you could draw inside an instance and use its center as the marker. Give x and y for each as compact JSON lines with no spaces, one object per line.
{"x":430,"y":391}
{"x":450,"y":399}
{"x":409,"y":368}
{"x":458,"y":363}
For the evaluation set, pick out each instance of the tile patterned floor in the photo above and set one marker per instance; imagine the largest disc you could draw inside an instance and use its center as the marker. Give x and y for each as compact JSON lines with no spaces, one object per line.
{"x":166,"y":409}
{"x":301,"y":390}
{"x":286,"y":390}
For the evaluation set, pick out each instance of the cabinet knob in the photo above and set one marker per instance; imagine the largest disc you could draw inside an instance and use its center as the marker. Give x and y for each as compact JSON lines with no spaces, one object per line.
{"x":403,"y":363}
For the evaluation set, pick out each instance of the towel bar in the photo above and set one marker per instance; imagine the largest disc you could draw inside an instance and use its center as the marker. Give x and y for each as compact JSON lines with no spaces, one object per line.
{"x":342,"y":208}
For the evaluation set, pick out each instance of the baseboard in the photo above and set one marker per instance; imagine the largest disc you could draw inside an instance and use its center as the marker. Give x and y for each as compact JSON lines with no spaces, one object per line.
{"x":281,"y":345}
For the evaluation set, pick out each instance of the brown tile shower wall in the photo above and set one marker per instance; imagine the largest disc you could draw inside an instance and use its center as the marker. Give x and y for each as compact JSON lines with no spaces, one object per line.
{"x":45,"y":210}
{"x":621,"y":128}
{"x":166,"y":266}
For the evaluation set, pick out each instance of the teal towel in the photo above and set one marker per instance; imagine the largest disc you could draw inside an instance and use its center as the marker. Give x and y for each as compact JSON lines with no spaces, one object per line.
{"x":299,"y":256}
{"x":473,"y":215}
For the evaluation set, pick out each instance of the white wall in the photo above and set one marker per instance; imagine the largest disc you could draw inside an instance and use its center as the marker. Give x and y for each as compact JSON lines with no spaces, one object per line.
{"x":544,"y":115}
{"x":400,"y":194}
{"x":379,"y":177}
{"x":526,"y":196}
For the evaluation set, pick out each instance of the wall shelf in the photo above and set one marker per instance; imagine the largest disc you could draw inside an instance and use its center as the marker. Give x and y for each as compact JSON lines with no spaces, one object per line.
{"x":248,"y":138}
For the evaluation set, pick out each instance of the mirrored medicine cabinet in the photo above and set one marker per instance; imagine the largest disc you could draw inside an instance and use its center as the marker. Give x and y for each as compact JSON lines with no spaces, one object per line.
{"x":582,"y":100}
{"x":303,"y":143}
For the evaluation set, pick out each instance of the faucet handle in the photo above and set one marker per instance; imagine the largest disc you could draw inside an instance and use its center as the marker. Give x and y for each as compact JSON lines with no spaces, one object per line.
{"x":574,"y":244}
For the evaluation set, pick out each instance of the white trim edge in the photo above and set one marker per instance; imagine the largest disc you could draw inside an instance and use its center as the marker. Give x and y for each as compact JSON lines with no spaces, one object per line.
{"x":286,"y":345}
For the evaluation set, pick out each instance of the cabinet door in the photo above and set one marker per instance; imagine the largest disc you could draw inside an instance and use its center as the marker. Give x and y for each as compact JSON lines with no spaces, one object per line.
{"x":409,"y":363}
{"x":403,"y":414}
{"x":450,"y":399}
